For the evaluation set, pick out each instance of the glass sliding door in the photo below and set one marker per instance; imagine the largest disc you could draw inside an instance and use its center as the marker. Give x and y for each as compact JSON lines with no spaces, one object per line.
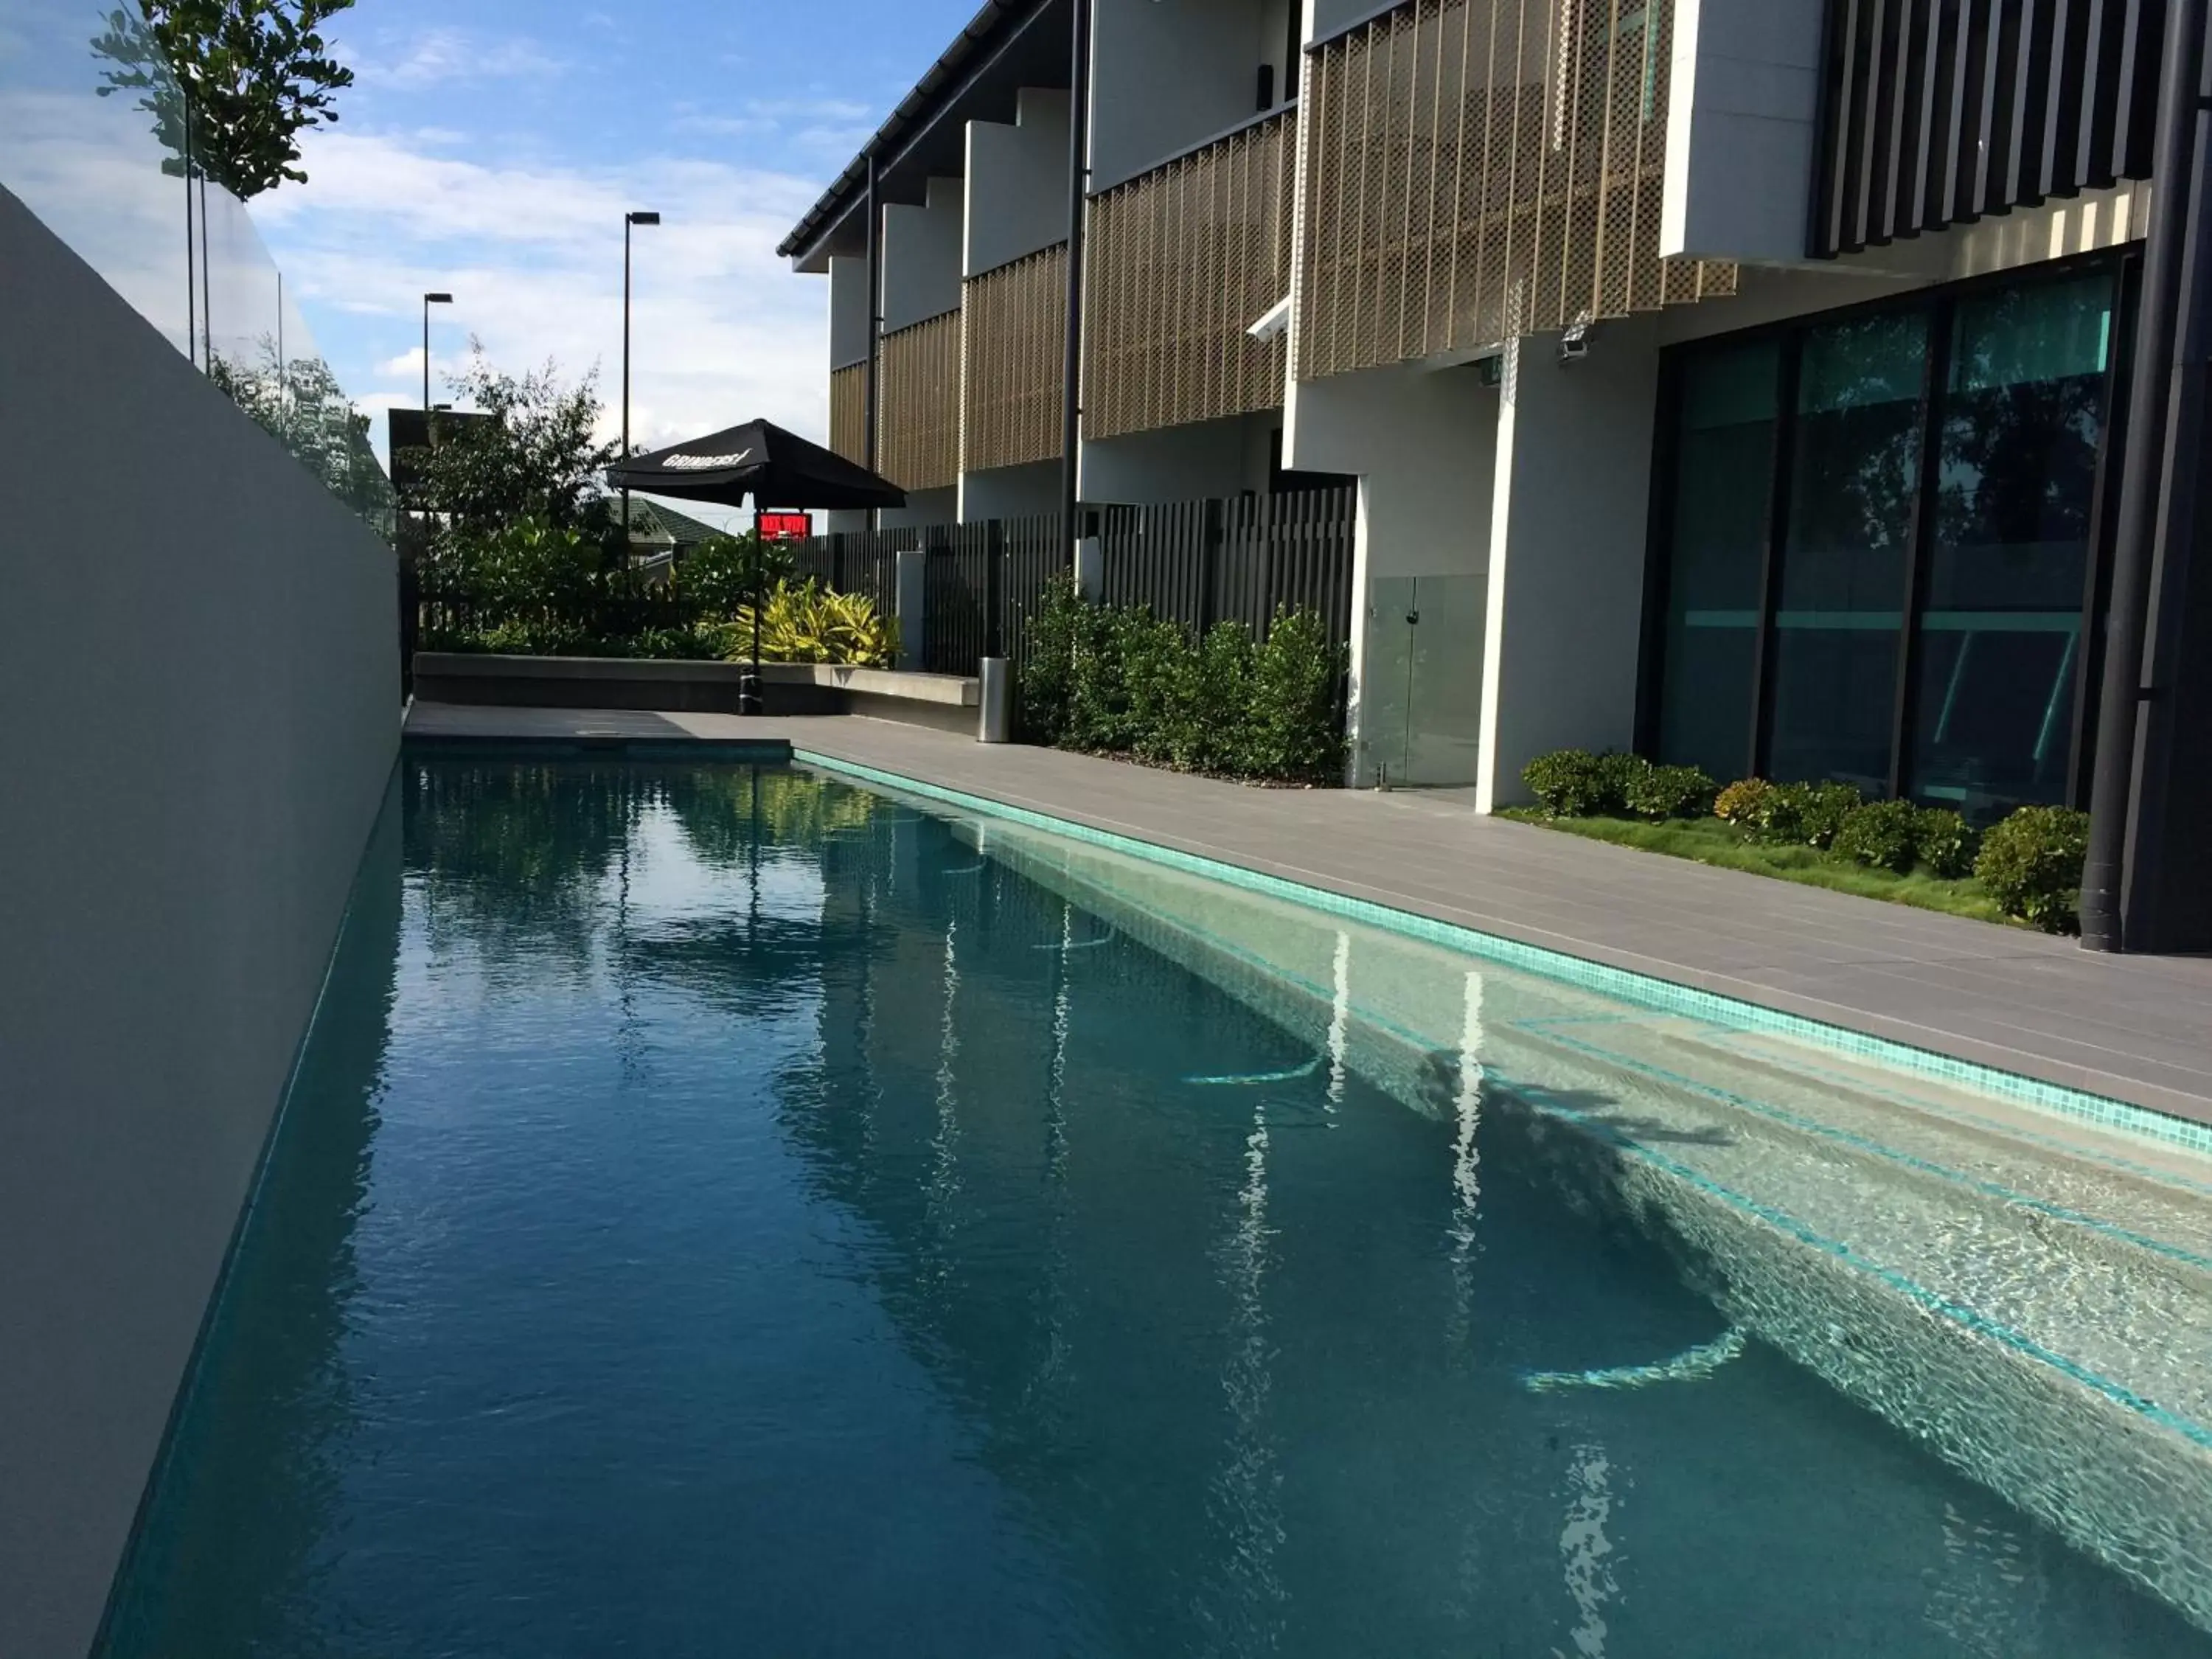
{"x":1854,"y":483}
{"x":2000,"y":626}
{"x":1718,"y":515}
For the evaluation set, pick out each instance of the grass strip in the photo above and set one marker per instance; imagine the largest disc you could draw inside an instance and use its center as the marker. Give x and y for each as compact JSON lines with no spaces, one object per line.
{"x":1708,"y":840}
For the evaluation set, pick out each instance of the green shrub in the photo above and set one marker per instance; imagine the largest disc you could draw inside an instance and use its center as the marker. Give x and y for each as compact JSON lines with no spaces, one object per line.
{"x":1290,"y":731}
{"x":1045,"y":692}
{"x":719,"y":574}
{"x":1944,"y":842}
{"x":1621,"y":773}
{"x":2032,"y":864}
{"x":1211,"y":712}
{"x":1572,"y":783}
{"x":1669,"y":792}
{"x":1744,"y":804}
{"x":1119,"y":680}
{"x":1805,"y":814}
{"x":1883,"y":834}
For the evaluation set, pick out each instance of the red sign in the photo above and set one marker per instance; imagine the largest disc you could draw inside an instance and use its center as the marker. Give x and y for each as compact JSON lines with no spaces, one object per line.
{"x":785,"y":526}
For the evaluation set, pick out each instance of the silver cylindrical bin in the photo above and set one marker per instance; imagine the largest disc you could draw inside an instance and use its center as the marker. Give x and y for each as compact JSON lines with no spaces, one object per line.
{"x":993,"y":714}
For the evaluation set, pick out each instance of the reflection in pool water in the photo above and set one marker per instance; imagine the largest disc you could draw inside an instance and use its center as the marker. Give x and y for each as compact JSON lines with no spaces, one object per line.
{"x":717,"y":1216}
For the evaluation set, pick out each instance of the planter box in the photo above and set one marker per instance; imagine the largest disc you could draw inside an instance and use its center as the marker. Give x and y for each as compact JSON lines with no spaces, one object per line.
{"x":945,"y":700}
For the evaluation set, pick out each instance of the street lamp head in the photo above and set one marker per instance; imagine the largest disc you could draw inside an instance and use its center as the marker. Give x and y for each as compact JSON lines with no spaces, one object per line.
{"x":645,"y":218}
{"x":437,"y":298}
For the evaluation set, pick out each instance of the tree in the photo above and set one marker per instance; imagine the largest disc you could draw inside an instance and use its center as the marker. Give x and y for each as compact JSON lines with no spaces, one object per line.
{"x":535,"y":457}
{"x":252,"y":74}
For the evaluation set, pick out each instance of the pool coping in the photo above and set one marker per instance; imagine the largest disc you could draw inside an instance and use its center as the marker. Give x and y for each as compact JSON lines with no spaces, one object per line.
{"x":1650,"y":990}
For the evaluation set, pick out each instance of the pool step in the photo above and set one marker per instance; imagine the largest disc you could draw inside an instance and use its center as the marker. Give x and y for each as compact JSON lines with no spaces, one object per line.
{"x":2032,"y":1301}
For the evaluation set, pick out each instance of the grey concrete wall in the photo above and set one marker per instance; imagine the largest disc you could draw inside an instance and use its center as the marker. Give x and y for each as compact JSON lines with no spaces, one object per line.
{"x":1010,"y":492}
{"x":203,"y":712}
{"x":848,"y":312}
{"x":1163,"y":78}
{"x":1179,"y":463}
{"x":1743,"y":112}
{"x":923,"y":508}
{"x":1017,"y":182}
{"x":921,"y":257}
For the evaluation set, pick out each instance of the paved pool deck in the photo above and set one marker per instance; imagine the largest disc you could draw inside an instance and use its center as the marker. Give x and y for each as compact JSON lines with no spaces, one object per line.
{"x":2136,"y":1029}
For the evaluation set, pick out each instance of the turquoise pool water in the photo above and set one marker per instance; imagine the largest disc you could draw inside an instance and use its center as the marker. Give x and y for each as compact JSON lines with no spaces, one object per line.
{"x":724,"y":1211}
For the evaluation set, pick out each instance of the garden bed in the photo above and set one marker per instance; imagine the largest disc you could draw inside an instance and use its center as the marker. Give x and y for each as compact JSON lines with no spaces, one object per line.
{"x":1708,"y":840}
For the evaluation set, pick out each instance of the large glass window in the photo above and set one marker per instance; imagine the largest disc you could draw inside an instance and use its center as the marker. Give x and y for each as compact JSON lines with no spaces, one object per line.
{"x":1855,"y":475}
{"x":1963,"y":553}
{"x":2000,"y":624}
{"x":1724,"y":455}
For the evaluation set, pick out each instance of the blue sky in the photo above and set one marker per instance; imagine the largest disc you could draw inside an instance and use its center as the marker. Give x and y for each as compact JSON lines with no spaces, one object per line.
{"x":490,"y":148}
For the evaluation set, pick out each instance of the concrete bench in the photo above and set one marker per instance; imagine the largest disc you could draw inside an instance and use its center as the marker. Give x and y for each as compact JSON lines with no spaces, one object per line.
{"x":947,"y":702}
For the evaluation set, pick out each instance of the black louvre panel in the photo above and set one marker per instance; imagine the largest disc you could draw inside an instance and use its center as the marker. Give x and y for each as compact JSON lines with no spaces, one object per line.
{"x":1940,"y":113}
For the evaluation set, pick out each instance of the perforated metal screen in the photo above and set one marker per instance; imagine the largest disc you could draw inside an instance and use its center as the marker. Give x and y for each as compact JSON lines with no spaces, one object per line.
{"x":848,"y":412}
{"x":1014,"y":322}
{"x":1474,"y":170}
{"x":918,"y":414}
{"x":1182,"y":261}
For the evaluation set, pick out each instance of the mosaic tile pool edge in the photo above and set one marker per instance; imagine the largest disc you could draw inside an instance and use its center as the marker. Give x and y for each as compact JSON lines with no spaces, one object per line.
{"x":2100,"y":1110}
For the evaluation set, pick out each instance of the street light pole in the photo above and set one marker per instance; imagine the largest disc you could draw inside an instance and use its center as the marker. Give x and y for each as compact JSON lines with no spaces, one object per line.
{"x":629,"y":220}
{"x":429,"y":299}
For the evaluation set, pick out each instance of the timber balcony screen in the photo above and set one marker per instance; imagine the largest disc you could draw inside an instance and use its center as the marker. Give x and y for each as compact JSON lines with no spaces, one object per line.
{"x":1181,"y":262}
{"x":918,"y":416}
{"x":1016,"y":322}
{"x":849,"y":413}
{"x":1940,"y":111}
{"x":1475,"y":170}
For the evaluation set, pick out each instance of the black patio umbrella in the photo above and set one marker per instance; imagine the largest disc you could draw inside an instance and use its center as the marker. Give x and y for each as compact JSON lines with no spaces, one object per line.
{"x":773,"y":468}
{"x":760,"y":460}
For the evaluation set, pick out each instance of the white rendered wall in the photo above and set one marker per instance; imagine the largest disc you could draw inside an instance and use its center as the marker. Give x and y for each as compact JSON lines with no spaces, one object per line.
{"x":1166,"y":76}
{"x":1175,"y":464}
{"x":1743,"y":114}
{"x":848,"y":312}
{"x":204,"y":707}
{"x":1017,"y":183}
{"x":1010,"y":492}
{"x":922,"y":256}
{"x":1568,"y":523}
{"x":1423,"y":442}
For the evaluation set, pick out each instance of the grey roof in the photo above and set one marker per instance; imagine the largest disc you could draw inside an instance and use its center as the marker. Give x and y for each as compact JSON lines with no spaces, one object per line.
{"x":652,"y":521}
{"x":997,"y":54}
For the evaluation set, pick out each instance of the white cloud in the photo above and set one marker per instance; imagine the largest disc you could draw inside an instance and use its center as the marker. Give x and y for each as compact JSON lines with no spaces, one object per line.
{"x":723,"y":330}
{"x":439,"y":57}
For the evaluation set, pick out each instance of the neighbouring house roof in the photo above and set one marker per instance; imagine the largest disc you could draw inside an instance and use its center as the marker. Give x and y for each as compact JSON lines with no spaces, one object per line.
{"x":1007,"y":46}
{"x":659,"y":524}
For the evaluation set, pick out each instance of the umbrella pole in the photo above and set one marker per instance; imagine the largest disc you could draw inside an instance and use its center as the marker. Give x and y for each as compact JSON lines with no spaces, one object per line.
{"x":749,"y":691}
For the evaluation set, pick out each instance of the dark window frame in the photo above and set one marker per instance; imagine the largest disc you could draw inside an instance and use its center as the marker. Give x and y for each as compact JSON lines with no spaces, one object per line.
{"x":1939,"y":304}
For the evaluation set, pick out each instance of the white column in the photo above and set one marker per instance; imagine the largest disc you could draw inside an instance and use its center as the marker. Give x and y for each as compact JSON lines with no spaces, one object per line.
{"x":1569,"y":516}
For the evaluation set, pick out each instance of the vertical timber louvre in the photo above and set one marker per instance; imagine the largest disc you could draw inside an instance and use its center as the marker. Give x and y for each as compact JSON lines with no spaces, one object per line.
{"x":918,"y":425}
{"x":1015,"y":323}
{"x":1477,"y":170}
{"x":1941,"y":113}
{"x":1182,"y":260}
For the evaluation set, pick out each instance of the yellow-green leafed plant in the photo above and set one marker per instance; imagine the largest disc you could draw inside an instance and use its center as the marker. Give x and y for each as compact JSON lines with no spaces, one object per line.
{"x":805,"y":622}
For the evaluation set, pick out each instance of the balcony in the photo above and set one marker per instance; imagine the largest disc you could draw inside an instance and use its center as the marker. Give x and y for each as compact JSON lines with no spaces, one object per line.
{"x":1182,"y":259}
{"x":1477,"y":170}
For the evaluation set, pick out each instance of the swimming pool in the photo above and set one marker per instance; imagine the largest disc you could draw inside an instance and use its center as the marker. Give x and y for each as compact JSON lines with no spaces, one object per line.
{"x":722,"y":1209}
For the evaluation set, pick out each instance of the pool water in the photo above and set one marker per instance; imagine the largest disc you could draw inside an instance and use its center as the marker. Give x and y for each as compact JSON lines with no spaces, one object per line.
{"x":724,"y":1211}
